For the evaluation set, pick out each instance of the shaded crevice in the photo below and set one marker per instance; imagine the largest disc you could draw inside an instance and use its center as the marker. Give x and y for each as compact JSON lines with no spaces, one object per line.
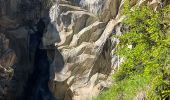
{"x":37,"y":84}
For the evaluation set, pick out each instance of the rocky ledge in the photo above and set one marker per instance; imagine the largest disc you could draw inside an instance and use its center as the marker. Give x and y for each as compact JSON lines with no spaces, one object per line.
{"x":59,"y":49}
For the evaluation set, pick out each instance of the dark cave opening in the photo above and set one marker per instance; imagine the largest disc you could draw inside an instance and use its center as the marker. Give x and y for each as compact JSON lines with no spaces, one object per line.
{"x":37,"y":84}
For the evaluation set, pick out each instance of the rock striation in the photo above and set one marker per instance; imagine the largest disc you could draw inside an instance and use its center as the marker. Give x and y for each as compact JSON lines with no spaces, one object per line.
{"x":76,"y":41}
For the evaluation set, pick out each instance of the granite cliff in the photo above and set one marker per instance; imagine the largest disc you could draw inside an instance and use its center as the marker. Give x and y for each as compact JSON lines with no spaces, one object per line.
{"x":59,"y":49}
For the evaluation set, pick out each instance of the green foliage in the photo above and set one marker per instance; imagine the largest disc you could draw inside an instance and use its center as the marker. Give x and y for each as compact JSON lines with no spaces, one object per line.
{"x":125,"y":89}
{"x":145,"y":48}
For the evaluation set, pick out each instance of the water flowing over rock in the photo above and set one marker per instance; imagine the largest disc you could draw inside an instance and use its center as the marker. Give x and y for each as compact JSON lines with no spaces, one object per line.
{"x":59,"y":49}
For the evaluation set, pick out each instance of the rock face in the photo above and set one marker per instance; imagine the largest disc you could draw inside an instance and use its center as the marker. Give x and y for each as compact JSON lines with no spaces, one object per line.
{"x":72,"y":36}
{"x":85,"y":28}
{"x":7,"y":60}
{"x":18,"y":20}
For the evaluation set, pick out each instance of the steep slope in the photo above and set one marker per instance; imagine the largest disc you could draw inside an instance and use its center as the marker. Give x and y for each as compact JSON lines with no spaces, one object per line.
{"x":75,"y":41}
{"x":65,"y":44}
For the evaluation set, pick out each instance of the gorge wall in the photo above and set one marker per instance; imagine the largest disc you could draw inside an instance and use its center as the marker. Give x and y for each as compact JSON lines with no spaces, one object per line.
{"x":60,"y":49}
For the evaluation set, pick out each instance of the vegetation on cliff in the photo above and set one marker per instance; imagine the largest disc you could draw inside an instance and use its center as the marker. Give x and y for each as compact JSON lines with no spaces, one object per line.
{"x":145,"y":48}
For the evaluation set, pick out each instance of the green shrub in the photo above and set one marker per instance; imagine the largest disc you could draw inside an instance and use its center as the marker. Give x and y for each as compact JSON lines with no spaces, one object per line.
{"x":147,"y":63}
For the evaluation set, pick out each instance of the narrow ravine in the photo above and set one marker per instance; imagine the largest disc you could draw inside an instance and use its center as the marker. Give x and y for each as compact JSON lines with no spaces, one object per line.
{"x":37,"y":85}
